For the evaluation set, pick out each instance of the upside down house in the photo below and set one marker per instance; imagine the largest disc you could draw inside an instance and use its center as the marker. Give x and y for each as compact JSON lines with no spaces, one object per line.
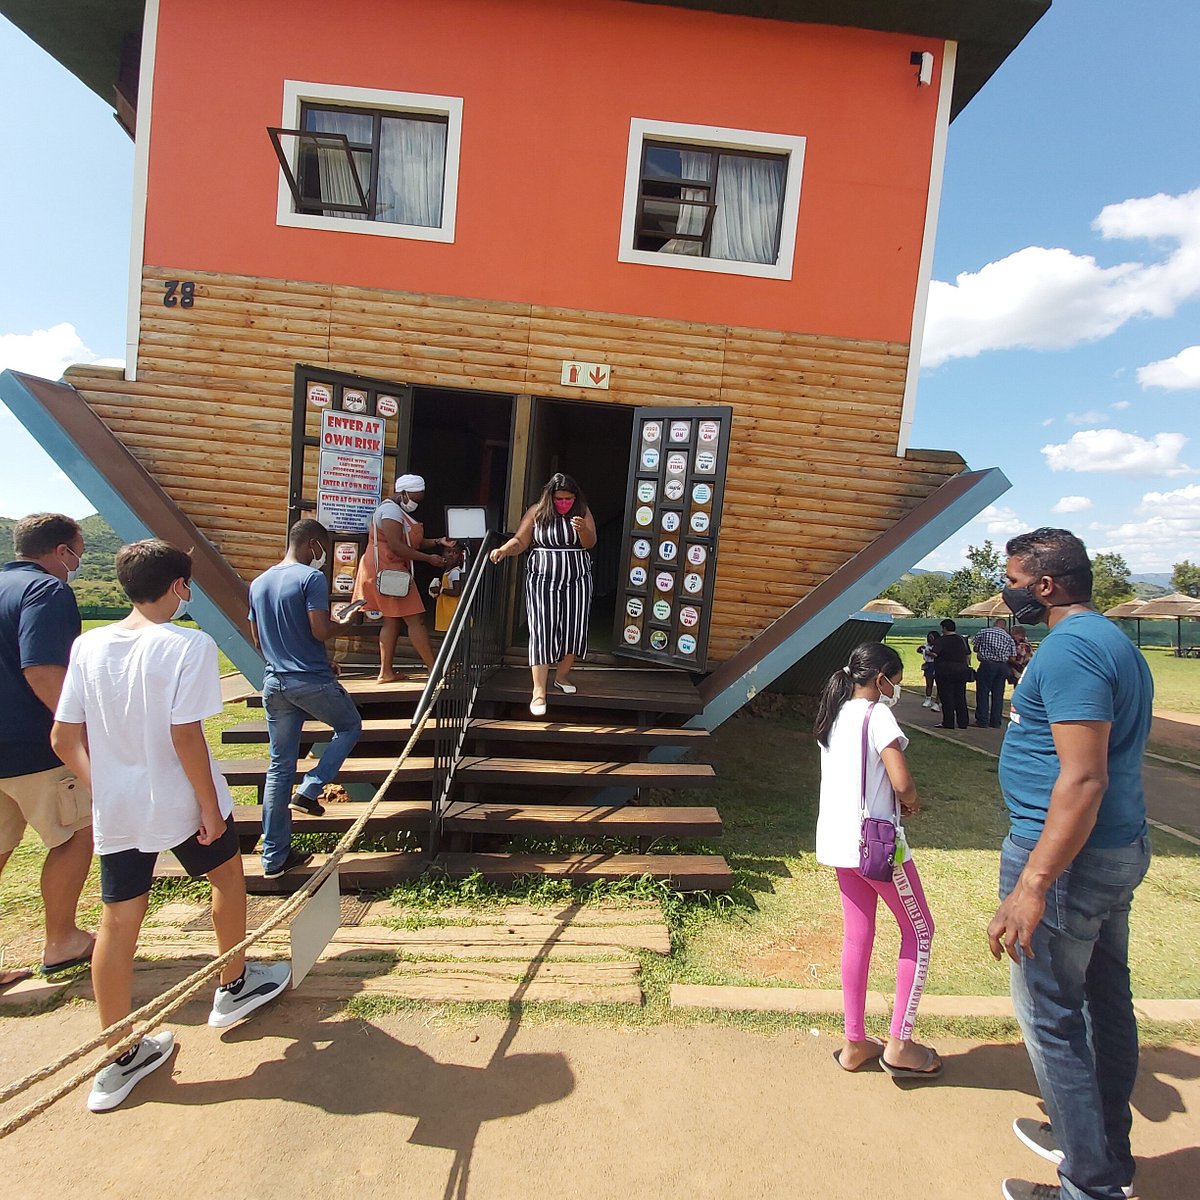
{"x":678,"y":250}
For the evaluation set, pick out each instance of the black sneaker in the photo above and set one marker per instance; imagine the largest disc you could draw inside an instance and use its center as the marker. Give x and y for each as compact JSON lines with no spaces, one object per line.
{"x":294,"y":859}
{"x":306,"y":804}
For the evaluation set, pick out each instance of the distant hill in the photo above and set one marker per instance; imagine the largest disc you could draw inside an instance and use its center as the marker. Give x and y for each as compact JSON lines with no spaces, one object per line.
{"x":97,"y":583}
{"x":1160,"y":579}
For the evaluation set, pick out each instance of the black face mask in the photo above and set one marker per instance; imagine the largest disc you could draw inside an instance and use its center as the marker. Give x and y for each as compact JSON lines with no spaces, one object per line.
{"x":1024,"y":606}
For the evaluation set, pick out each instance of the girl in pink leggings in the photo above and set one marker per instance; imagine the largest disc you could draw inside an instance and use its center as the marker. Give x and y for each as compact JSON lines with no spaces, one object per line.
{"x":860,"y":697}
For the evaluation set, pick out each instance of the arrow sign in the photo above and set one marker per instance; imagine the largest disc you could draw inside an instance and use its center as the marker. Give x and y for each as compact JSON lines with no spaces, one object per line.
{"x":585,"y":374}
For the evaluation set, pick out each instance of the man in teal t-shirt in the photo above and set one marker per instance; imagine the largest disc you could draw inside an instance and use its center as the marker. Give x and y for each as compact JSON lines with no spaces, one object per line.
{"x":1070,"y":770}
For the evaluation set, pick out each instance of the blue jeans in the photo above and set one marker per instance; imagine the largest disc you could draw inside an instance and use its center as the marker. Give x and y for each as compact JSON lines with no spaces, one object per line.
{"x":989,"y":693}
{"x":1076,"y":1011}
{"x":288,"y":700}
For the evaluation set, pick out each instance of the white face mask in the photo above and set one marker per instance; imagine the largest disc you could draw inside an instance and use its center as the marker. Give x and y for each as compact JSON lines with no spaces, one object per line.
{"x":409,"y":506}
{"x":181,"y":607}
{"x":319,"y":562}
{"x":72,"y":575}
{"x":892,"y":700}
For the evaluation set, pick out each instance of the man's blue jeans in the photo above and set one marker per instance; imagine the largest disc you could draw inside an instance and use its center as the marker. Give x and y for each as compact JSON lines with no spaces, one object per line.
{"x":288,"y":701}
{"x":1075,"y":1007}
{"x":990,"y":679}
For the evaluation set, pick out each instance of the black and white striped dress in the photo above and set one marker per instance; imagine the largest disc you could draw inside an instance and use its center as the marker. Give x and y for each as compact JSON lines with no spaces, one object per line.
{"x":558,"y":592}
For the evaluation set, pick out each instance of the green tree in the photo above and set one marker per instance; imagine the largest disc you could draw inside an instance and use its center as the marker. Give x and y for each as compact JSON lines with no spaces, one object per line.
{"x":979,"y":580}
{"x":1185,"y":578}
{"x":1110,"y":581}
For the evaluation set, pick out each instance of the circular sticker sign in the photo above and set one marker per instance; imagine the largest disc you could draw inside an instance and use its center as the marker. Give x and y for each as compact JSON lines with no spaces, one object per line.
{"x":674,"y":489}
{"x":670,"y":521}
{"x":697,"y":554}
{"x":354,"y":401}
{"x":699,"y":522}
{"x":343,"y":584}
{"x":641,"y":548}
{"x":634,"y":606}
{"x":709,"y":431}
{"x":680,"y":431}
{"x":689,"y":617}
{"x":693,"y":583}
{"x":662,"y":610}
{"x":633,"y":634}
{"x":644,"y":515}
{"x":702,"y":493}
{"x":676,"y":464}
{"x":650,"y":458}
{"x":345,"y":552}
{"x":651,"y":431}
{"x":658,"y":639}
{"x":664,"y":581}
{"x":637,"y":576}
{"x":706,"y":462}
{"x":687,"y":644}
{"x":646,"y":490}
{"x":387,"y":406}
{"x":667,"y":551}
{"x":319,"y":395}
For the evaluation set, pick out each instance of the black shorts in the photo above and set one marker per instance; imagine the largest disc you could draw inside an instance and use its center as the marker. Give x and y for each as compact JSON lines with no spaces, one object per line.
{"x":128,"y":874}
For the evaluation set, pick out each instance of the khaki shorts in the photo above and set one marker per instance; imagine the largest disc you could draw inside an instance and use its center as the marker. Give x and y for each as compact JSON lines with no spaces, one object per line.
{"x":54,"y":802}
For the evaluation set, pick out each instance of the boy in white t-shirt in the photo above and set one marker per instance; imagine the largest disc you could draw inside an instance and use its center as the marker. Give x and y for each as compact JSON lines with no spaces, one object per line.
{"x":131,"y":723}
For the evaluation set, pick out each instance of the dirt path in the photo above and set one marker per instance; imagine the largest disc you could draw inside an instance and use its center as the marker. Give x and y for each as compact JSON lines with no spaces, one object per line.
{"x":301,"y":1102}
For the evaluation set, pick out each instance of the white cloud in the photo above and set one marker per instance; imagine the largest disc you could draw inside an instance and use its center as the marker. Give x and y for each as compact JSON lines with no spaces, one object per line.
{"x":1178,"y":373}
{"x":44,"y":352}
{"x":1049,"y":298}
{"x":1047,"y":421}
{"x":1072,"y":504}
{"x":1168,"y":532}
{"x":1091,"y":417}
{"x":1112,"y":451}
{"x":1119,"y":405}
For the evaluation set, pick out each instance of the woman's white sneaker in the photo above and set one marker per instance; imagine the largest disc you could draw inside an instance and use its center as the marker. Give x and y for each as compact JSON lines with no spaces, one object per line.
{"x":113,"y":1083}
{"x":260,"y":984}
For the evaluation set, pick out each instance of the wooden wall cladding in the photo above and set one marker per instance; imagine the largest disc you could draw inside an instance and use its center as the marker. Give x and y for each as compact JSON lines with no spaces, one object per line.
{"x":813,"y":475}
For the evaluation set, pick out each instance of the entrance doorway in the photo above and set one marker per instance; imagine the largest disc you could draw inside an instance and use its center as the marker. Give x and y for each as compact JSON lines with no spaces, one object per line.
{"x":591,"y":443}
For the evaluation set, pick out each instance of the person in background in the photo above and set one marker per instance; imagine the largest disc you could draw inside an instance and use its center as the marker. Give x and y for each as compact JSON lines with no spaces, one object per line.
{"x":130,"y":724}
{"x":928,"y":666}
{"x":289,"y":620}
{"x":1071,"y":774}
{"x":994,"y":647}
{"x":39,"y":621}
{"x":396,"y":540}
{"x":446,"y":590}
{"x":952,"y":665}
{"x":1020,"y":660}
{"x":862,"y":763}
{"x":558,"y":582}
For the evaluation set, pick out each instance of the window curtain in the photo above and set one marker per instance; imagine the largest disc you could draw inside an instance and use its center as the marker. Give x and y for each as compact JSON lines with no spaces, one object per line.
{"x":336,"y":178}
{"x":693,"y":165}
{"x":749,"y":200}
{"x":412,"y":170}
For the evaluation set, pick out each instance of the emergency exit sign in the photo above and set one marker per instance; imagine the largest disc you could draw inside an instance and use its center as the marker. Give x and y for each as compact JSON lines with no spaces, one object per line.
{"x":586,"y":374}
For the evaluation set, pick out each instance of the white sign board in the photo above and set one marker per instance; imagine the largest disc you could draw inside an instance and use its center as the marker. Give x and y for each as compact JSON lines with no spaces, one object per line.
{"x":357,"y":474}
{"x":586,"y":375}
{"x":352,"y":432}
{"x":314,"y":925}
{"x":350,"y":472}
{"x":345,"y":512}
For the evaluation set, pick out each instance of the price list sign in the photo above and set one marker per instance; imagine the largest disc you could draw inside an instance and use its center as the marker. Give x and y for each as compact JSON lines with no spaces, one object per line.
{"x":676,"y":483}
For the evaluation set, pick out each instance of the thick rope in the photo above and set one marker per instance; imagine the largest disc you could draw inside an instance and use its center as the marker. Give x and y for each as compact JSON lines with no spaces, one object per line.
{"x":152,"y":1014}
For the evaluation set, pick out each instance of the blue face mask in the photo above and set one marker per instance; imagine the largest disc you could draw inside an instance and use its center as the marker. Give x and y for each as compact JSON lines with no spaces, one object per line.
{"x":181,"y":607}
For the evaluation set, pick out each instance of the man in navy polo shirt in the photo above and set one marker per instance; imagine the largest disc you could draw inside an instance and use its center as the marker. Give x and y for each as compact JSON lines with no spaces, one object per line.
{"x":39,"y":620}
{"x":1071,"y":773}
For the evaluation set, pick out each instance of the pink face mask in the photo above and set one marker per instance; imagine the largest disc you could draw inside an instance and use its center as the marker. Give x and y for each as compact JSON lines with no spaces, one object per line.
{"x":562,"y":507}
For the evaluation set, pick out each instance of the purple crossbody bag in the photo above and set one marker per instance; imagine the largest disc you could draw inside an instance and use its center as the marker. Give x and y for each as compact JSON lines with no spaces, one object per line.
{"x":877,"y":837}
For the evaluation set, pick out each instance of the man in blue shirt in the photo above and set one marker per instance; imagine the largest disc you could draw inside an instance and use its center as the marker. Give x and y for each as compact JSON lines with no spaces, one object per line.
{"x":39,"y":620}
{"x":1070,"y":770}
{"x":289,"y":618}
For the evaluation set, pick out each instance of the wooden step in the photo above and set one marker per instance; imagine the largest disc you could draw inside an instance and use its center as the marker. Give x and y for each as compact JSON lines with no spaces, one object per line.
{"x":406,"y":815}
{"x":364,"y":690}
{"x":630,"y":820}
{"x":396,"y":730}
{"x":623,"y":690}
{"x":686,"y":872}
{"x":531,"y":772}
{"x":357,"y":872}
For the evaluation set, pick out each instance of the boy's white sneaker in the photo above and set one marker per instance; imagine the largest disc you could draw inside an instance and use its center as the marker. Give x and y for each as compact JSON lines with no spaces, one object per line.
{"x":928,"y":702}
{"x":113,"y":1083}
{"x":259,"y":985}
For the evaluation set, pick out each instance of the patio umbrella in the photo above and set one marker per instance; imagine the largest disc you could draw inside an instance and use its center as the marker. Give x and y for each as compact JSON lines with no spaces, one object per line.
{"x":995,"y":607}
{"x":1177,"y":606}
{"x":1129,"y":610}
{"x":882,"y":604}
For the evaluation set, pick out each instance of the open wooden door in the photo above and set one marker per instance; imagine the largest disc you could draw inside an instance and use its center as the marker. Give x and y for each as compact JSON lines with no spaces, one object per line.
{"x":676,"y":487}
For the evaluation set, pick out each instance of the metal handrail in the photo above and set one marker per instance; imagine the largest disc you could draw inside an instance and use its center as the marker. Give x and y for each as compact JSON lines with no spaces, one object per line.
{"x":471,"y":650}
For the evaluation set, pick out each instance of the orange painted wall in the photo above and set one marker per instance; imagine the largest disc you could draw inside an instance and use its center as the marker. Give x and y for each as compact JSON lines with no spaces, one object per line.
{"x":548,"y":88}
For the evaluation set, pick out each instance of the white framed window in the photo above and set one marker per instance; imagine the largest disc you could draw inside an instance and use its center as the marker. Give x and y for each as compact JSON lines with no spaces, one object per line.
{"x":364,"y":160}
{"x":703,"y":198}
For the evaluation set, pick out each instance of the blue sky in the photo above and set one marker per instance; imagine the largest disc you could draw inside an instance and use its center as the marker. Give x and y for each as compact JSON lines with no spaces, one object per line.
{"x":1063,"y":339}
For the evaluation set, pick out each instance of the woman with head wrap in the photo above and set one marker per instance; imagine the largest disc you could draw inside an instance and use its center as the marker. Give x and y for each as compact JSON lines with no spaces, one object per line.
{"x":394,"y":543}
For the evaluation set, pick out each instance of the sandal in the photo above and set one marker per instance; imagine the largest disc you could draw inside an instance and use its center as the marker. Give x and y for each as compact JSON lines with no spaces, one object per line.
{"x":874,"y":1058}
{"x":14,"y":975}
{"x":931,"y":1070}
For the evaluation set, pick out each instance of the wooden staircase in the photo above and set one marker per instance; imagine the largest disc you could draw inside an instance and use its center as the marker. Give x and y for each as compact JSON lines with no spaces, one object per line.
{"x":578,"y":775}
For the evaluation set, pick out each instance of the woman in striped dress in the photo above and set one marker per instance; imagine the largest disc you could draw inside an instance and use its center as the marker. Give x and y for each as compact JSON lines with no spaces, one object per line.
{"x":558,"y":583}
